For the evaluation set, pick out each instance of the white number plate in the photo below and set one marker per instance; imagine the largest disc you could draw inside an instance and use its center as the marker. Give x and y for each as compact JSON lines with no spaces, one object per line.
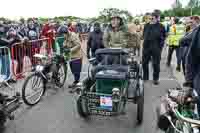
{"x":106,"y":102}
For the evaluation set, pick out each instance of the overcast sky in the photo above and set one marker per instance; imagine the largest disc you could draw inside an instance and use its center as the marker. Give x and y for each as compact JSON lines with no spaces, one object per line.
{"x":81,"y":8}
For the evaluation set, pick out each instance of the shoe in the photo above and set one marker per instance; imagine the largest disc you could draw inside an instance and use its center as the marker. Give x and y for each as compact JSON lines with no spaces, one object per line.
{"x":155,"y":82}
{"x":188,"y":84}
{"x":178,"y":68}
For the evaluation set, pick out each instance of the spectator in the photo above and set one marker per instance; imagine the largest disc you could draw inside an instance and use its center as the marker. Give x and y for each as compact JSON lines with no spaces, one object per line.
{"x":184,"y":47}
{"x":33,"y":33}
{"x":4,"y":56}
{"x":23,"y":29}
{"x":95,"y":40}
{"x":175,"y":34}
{"x":133,"y":38}
{"x":78,"y":28}
{"x":139,"y":33}
{"x":72,"y":27}
{"x":60,"y":32}
{"x":193,"y":63}
{"x":12,"y":38}
{"x":153,"y":35}
{"x":48,"y":31}
{"x":187,"y":40}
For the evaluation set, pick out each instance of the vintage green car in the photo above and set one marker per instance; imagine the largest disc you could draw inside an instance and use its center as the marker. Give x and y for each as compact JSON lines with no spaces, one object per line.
{"x":114,"y":80}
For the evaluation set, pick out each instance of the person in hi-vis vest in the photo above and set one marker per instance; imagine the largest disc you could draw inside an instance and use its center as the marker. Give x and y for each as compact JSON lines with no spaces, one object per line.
{"x":175,"y":34}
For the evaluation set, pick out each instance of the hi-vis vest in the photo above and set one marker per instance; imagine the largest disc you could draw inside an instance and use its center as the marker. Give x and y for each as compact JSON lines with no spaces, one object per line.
{"x":175,"y":34}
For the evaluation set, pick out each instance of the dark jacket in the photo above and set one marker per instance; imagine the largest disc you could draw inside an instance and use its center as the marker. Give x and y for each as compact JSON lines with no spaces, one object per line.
{"x":187,"y":39}
{"x":192,"y":59}
{"x":95,"y":41}
{"x":154,"y":35}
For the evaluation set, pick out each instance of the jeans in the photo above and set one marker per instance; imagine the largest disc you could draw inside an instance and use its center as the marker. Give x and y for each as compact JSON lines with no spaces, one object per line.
{"x":5,"y":66}
{"x":76,"y":66}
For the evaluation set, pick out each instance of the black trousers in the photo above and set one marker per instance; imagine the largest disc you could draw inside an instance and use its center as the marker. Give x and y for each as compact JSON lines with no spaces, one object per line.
{"x":154,"y":55}
{"x":76,"y":66}
{"x":170,"y":53}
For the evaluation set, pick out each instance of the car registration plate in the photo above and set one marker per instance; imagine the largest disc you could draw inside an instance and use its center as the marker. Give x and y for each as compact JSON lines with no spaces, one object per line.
{"x":106,"y":102}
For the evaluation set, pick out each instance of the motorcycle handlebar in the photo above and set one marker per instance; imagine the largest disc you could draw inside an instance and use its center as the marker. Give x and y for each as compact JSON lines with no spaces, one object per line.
{"x":173,"y":106}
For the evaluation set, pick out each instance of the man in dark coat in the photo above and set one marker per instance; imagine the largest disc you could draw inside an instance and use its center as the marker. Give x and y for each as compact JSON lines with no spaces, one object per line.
{"x":154,"y":35}
{"x":95,"y":40}
{"x":194,"y":64}
{"x":186,"y":42}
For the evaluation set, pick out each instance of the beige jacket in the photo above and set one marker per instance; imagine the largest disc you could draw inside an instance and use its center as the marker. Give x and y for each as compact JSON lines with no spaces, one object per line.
{"x":73,"y":42}
{"x":134,"y":38}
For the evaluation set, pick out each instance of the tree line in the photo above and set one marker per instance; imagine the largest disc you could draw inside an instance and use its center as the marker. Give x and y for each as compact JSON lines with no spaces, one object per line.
{"x":192,"y":8}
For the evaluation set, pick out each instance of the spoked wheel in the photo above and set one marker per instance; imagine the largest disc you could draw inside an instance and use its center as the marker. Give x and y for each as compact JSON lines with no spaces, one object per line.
{"x":82,"y":107}
{"x":140,"y":103}
{"x":62,"y":74}
{"x":33,"y":89}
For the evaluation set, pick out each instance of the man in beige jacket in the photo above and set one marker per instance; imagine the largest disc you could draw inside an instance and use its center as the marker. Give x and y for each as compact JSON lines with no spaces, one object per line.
{"x":73,"y":43}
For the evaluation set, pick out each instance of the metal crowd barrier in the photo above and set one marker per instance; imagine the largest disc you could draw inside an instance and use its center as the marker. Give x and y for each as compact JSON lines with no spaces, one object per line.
{"x":23,"y":53}
{"x":5,"y":65}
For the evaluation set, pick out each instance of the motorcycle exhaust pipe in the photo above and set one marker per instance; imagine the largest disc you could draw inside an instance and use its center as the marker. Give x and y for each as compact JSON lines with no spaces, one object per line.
{"x":163,"y":122}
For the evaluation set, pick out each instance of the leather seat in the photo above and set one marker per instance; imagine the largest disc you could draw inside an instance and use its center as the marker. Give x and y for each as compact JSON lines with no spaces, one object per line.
{"x":117,"y":68}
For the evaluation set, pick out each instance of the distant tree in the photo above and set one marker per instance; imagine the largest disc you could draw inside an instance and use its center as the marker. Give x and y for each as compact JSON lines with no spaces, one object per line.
{"x":177,"y":4}
{"x":193,"y":3}
{"x":107,"y":13}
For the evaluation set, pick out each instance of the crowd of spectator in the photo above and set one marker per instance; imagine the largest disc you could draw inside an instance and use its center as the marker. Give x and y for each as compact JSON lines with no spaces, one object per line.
{"x":30,"y":30}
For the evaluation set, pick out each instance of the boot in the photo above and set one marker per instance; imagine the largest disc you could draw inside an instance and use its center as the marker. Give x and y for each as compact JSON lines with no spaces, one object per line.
{"x":155,"y":82}
{"x":188,"y":84}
